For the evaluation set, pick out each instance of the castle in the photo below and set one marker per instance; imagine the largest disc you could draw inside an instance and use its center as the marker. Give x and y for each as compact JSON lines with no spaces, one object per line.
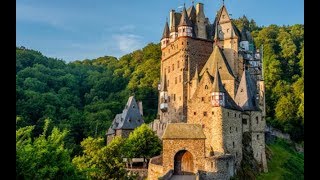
{"x":211,"y":94}
{"x":124,"y":123}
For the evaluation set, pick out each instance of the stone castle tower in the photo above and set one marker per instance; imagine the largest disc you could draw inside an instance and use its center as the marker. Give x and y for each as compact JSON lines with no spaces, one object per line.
{"x":211,"y":94}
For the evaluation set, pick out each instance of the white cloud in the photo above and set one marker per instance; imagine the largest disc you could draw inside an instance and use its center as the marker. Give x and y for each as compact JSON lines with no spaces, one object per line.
{"x":128,"y":42}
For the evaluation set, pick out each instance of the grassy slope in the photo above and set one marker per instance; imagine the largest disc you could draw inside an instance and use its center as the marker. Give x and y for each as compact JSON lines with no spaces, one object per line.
{"x":285,"y":163}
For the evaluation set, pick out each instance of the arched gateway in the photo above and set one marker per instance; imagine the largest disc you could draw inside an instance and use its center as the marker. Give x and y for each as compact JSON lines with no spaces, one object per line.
{"x":183,"y":163}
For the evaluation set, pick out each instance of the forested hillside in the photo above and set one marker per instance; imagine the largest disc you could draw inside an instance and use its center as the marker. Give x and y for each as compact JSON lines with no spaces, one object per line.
{"x":81,"y":98}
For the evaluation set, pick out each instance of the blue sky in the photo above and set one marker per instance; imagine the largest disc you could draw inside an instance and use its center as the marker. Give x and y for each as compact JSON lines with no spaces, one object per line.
{"x":80,"y":29}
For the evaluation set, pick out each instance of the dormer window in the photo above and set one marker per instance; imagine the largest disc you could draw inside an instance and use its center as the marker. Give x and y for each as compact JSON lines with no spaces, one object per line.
{"x":133,"y":106}
{"x":223,"y":16}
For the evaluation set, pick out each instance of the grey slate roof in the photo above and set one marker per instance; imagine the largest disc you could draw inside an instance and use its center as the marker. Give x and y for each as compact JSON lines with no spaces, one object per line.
{"x":243,"y":34}
{"x":217,"y":84}
{"x":192,"y":14}
{"x":218,"y":87}
{"x":130,"y":117}
{"x":166,"y":31}
{"x":246,"y":94}
{"x":217,"y":57}
{"x":210,"y":31}
{"x":184,"y":21}
{"x":175,"y":22}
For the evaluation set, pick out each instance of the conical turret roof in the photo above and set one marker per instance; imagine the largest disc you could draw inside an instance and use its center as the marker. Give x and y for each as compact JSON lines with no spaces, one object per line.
{"x":217,"y":84}
{"x":246,"y":94}
{"x":166,"y":31}
{"x":184,"y":21}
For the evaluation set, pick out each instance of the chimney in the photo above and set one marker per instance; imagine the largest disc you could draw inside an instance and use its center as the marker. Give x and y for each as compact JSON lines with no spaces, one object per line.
{"x":140,"y":107}
{"x":171,"y":18}
{"x":199,"y":8}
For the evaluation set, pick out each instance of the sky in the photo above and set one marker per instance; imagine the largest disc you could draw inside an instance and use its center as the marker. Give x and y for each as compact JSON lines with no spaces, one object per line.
{"x":87,"y":29}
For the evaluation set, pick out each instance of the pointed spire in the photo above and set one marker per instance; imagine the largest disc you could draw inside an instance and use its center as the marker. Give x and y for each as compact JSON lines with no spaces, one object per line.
{"x":196,"y":74}
{"x":216,"y":36}
{"x":244,"y":34}
{"x":184,"y":21}
{"x":217,"y":84}
{"x":246,"y":94}
{"x":166,"y":31}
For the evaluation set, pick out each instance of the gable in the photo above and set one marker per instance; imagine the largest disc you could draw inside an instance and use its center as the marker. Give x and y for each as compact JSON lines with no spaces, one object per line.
{"x":223,"y":15}
{"x":204,"y":87}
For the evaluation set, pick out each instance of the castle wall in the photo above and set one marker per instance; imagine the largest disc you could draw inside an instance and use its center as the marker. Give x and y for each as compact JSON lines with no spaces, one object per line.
{"x":245,"y":122}
{"x":110,"y":138}
{"x":258,"y":147}
{"x":232,"y":133}
{"x":172,"y":146}
{"x":154,"y":171}
{"x":174,"y":64}
{"x":124,"y":133}
{"x":200,"y":111}
{"x":258,"y":123}
{"x":158,"y":127}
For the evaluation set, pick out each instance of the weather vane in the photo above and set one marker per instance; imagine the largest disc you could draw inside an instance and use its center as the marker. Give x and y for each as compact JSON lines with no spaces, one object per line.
{"x":222,"y":2}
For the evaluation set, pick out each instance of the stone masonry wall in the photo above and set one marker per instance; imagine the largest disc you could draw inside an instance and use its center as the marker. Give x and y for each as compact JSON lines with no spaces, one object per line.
{"x":258,"y":147}
{"x":200,"y":111}
{"x":172,"y":146}
{"x":154,"y":171}
{"x":232,"y":133}
{"x":174,"y":64}
{"x":110,"y":138}
{"x":258,"y":123}
{"x":245,"y":122}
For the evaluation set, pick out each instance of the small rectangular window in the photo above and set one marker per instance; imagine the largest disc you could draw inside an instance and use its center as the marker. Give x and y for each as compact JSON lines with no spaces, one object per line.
{"x":174,"y":97}
{"x":175,"y":80}
{"x":179,"y":78}
{"x":202,"y":99}
{"x":205,"y":113}
{"x":244,"y":121}
{"x":194,"y":113}
{"x":258,"y":137}
{"x":172,"y":67}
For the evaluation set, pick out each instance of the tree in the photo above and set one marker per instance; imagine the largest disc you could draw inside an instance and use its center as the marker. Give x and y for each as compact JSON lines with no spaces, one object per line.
{"x":143,"y":142}
{"x":43,"y":157}
{"x":100,"y":161}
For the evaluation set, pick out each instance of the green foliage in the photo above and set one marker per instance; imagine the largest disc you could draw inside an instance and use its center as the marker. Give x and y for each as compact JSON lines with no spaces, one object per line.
{"x":84,"y":96}
{"x":100,"y":161}
{"x":142,"y":142}
{"x":283,"y":62}
{"x":285,"y":162}
{"x":43,"y":157}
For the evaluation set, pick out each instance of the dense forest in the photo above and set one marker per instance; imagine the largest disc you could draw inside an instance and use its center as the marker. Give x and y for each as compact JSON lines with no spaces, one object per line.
{"x":69,"y":106}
